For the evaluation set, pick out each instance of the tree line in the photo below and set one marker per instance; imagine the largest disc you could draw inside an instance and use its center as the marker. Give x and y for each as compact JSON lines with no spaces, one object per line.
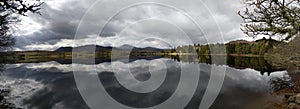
{"x":259,"y":47}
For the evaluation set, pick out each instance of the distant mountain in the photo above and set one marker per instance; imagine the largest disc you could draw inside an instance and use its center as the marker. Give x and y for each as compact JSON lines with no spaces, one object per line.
{"x":84,"y":48}
{"x":239,"y":42}
{"x":147,"y":49}
{"x":263,"y":40}
{"x":64,"y":49}
{"x":132,"y":48}
{"x":126,"y":47}
{"x":93,"y":48}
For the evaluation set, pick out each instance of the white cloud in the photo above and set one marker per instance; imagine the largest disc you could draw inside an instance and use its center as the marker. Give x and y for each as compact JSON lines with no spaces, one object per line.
{"x":27,"y":27}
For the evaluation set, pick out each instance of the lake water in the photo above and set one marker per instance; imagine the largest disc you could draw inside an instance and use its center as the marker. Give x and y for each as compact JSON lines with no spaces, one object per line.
{"x":52,"y":85}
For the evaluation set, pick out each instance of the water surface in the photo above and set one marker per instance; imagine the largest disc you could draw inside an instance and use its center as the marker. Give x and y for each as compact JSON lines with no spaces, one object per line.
{"x":51,"y":85}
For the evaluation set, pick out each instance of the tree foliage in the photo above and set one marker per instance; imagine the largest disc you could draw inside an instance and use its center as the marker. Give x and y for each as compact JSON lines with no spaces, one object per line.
{"x":240,"y":47}
{"x":9,"y":12}
{"x":271,"y":17}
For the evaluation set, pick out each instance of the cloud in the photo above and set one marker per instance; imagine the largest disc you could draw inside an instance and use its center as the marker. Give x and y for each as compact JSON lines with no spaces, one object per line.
{"x":59,"y":21}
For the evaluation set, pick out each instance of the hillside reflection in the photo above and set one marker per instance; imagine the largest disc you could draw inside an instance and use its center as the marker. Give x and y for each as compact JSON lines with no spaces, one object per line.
{"x":238,"y":62}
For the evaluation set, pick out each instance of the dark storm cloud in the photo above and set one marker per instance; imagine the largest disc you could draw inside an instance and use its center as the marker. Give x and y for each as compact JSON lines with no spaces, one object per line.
{"x":56,"y":24}
{"x":59,"y":23}
{"x":63,"y":21}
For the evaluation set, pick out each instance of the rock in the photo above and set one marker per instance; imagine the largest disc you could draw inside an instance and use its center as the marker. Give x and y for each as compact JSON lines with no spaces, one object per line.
{"x":288,"y":95}
{"x":293,"y":106}
{"x":292,"y":68}
{"x":292,"y":98}
{"x":297,"y":99}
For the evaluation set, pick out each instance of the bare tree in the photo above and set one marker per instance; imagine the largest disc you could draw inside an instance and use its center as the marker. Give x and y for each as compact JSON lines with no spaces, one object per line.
{"x":271,"y":17}
{"x":9,"y":12}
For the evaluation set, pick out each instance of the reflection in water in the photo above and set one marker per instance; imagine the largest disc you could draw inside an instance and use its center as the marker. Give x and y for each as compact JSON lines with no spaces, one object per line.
{"x":2,"y":68}
{"x":282,"y":83}
{"x":238,"y":62}
{"x":60,"y":93}
{"x":57,"y":88}
{"x":48,"y":89}
{"x":140,"y":100}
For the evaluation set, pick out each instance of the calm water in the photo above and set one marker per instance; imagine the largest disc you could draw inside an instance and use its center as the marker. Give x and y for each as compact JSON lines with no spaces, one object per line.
{"x":51,"y":85}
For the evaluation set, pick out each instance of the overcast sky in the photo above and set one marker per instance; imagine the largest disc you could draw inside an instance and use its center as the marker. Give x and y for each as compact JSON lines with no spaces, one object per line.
{"x":110,"y":23}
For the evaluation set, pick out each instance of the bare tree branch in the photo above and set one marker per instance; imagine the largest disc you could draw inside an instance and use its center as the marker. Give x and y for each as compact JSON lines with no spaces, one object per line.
{"x":9,"y":11}
{"x":271,"y":17}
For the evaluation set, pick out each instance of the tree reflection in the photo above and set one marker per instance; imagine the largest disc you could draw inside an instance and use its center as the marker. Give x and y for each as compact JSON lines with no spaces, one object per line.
{"x":238,"y":62}
{"x":4,"y":92}
{"x":283,"y":84}
{"x":2,"y":67}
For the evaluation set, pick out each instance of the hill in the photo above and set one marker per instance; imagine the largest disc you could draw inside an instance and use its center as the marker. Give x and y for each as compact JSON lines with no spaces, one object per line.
{"x":97,"y":48}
